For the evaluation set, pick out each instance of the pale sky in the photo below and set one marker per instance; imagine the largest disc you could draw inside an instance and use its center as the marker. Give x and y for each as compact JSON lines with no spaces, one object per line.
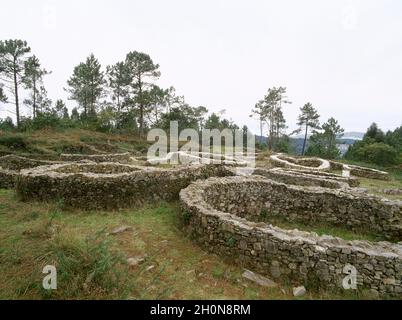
{"x":343,"y":56}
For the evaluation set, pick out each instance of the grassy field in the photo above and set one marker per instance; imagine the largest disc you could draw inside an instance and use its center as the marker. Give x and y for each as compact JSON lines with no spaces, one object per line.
{"x":50,"y":143}
{"x":93,"y":265}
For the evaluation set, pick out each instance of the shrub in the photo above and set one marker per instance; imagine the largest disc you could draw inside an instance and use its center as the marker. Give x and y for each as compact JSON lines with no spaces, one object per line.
{"x":378,"y":153}
{"x":13,"y":142}
{"x":89,"y":268}
{"x":6,"y":124}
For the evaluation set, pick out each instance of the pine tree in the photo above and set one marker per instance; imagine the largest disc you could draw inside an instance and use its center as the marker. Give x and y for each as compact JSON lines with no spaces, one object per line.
{"x":118,"y":81}
{"x":12,"y":60}
{"x":86,"y":85}
{"x":3,"y":97}
{"x":33,"y":80}
{"x":142,"y":70}
{"x":308,"y":119}
{"x":323,"y":144}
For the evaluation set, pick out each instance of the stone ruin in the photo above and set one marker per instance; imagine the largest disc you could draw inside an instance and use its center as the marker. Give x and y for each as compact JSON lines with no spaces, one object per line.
{"x":109,"y":185}
{"x":317,"y":164}
{"x":11,"y":165}
{"x":182,"y":157}
{"x":280,"y":160}
{"x":109,"y":157}
{"x":230,"y":214}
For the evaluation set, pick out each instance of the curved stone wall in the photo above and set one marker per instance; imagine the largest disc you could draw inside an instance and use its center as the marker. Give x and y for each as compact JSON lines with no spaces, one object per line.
{"x":199,"y":158}
{"x":366,"y":172}
{"x":110,"y":157}
{"x":282,"y":160}
{"x":306,"y":178}
{"x":218,"y":214}
{"x":10,"y":166}
{"x":358,"y":171}
{"x":108,"y":185}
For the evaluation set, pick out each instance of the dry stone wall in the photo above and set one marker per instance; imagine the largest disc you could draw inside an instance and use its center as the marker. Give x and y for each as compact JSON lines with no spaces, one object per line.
{"x":309,"y":205}
{"x":282,"y":160}
{"x":219,"y":214}
{"x":305,"y":178}
{"x":10,"y":166}
{"x":109,"y":185}
{"x":110,"y":157}
{"x":358,"y":171}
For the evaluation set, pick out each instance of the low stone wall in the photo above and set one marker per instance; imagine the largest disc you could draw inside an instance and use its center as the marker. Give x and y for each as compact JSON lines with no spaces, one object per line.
{"x":7,"y":178}
{"x":358,"y":171}
{"x":16,"y":163}
{"x":109,"y":185}
{"x":352,"y":181}
{"x":10,"y":166}
{"x":296,"y":177}
{"x":218,"y":214}
{"x":282,"y":160}
{"x":199,"y":158}
{"x":366,"y":172}
{"x":110,"y":157}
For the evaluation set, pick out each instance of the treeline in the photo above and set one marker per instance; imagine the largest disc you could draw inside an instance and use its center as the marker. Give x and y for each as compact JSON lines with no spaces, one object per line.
{"x":378,"y":147}
{"x":323,"y":139}
{"x":123,"y":97}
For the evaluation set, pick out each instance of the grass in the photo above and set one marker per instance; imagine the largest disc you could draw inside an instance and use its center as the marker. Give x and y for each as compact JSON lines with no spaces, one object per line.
{"x":324,"y":229}
{"x":51,"y":142}
{"x":92,"y":265}
{"x":377,"y":187}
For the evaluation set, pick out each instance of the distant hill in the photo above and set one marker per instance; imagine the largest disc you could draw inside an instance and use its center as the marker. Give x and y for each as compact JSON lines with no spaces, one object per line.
{"x":352,"y":135}
{"x":347,"y":139}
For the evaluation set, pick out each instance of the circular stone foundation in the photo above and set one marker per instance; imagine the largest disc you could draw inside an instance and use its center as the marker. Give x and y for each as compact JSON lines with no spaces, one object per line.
{"x":307,"y":178}
{"x":200,"y":158}
{"x":108,"y":185}
{"x":224,"y":215}
{"x":285,"y":161}
{"x":10,"y":166}
{"x":110,"y":157}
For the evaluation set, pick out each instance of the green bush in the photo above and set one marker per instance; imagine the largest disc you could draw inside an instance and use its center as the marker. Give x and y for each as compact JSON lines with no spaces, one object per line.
{"x":90,"y":267}
{"x":13,"y":142}
{"x":378,"y":153}
{"x":6,"y":124}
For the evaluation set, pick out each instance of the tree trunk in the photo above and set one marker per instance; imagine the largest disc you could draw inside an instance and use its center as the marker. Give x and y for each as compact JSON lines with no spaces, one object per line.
{"x":261,"y":127}
{"x":305,"y":138}
{"x":17,"y":107}
{"x":141,"y":107}
{"x":34,"y":98}
{"x":141,"y":120}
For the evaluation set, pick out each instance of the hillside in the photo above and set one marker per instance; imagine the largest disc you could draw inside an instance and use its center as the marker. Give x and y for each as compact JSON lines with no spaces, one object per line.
{"x":49,"y":144}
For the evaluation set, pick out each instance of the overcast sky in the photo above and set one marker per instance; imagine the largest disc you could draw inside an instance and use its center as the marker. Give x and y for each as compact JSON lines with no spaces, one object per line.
{"x":343,"y":56}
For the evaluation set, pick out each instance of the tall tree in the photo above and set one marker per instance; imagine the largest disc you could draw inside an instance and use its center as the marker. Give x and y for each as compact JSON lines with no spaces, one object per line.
{"x":3,"y":97}
{"x":156,"y":101}
{"x":142,"y":70}
{"x":269,"y":110}
{"x":308,"y":119}
{"x":374,"y":133}
{"x":118,"y":81}
{"x":86,"y":85}
{"x":33,"y":80}
{"x":43,"y":103}
{"x":60,"y":109}
{"x":323,"y":144}
{"x":259,"y":112}
{"x":12,"y":60}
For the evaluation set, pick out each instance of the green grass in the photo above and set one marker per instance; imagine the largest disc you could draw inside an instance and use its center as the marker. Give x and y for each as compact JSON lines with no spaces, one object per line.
{"x":92,"y":265}
{"x":52,"y":142}
{"x":324,"y":229}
